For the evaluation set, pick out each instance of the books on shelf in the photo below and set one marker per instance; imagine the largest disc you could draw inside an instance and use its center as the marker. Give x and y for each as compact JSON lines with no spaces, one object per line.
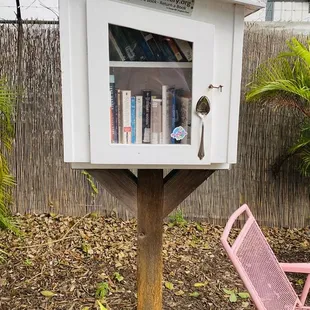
{"x":126,"y":112}
{"x":156,"y":127}
{"x":133,"y":119}
{"x":147,"y":118}
{"x":127,"y":44}
{"x":139,"y":114}
{"x":185,"y":48}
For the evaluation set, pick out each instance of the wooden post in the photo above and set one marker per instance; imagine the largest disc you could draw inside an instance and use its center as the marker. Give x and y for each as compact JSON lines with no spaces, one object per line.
{"x":155,"y":197}
{"x":150,"y":235}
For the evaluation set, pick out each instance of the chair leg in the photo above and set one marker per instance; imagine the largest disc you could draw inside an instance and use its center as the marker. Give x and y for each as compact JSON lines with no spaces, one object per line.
{"x":305,"y":291}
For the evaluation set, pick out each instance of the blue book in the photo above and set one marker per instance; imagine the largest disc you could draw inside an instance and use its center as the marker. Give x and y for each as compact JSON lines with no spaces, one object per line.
{"x":173,"y":112}
{"x":133,"y":119}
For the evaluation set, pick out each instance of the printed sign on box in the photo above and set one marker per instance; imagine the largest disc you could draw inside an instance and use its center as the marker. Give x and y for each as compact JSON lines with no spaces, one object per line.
{"x":182,"y":7}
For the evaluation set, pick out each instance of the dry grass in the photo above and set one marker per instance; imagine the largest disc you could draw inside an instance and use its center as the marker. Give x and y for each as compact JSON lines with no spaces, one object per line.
{"x":70,"y":256}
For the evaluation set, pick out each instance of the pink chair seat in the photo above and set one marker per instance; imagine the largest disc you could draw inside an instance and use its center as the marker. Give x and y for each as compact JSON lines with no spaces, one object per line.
{"x":258,"y":267}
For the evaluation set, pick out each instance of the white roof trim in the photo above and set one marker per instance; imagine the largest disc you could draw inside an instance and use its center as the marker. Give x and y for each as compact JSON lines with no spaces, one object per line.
{"x":251,"y":6}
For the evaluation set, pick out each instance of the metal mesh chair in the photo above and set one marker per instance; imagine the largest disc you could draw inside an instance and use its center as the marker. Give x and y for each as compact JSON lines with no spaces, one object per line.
{"x":259,"y":269}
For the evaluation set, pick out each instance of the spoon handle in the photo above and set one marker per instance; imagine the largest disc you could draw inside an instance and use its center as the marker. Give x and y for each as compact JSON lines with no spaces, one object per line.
{"x":201,"y":153}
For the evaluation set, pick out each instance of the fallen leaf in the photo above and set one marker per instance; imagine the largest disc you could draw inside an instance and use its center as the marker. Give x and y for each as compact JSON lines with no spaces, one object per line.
{"x":233,"y":297}
{"x":244,"y":295}
{"x":169,"y":285}
{"x":179,"y":293}
{"x":48,"y":294}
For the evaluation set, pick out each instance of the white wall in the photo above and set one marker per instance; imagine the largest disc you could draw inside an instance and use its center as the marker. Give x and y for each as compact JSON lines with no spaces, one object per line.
{"x":31,"y":9}
{"x":291,"y":11}
{"x":285,"y":11}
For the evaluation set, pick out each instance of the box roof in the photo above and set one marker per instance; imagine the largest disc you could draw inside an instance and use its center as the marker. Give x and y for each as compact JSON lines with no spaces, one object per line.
{"x":250,"y":5}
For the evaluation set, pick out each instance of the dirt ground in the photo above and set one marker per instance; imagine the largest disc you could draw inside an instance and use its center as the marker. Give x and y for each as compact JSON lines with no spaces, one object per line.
{"x":70,"y":263}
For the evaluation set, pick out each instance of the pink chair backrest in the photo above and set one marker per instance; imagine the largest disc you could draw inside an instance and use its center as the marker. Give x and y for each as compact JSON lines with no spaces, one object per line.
{"x":258,"y":267}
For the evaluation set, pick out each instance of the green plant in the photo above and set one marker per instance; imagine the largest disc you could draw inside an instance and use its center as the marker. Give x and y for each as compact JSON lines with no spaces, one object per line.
{"x":28,"y":262}
{"x":177,"y":219}
{"x":6,"y":139}
{"x":284,"y":81}
{"x":91,"y":182}
{"x":102,"y":290}
{"x":2,"y":255}
{"x":118,"y":277}
{"x":101,"y":306}
{"x":234,"y":295}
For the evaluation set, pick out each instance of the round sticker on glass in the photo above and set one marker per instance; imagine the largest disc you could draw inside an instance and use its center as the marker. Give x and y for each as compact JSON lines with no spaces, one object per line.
{"x":179,"y":133}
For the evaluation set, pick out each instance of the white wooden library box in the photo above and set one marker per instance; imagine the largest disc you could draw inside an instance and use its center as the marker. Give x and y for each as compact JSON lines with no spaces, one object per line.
{"x":134,"y":74}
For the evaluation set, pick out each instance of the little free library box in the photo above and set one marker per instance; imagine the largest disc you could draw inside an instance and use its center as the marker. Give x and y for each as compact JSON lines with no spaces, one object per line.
{"x":152,"y":83}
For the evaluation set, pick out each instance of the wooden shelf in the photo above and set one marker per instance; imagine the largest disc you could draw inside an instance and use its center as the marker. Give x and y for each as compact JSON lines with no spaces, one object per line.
{"x":149,"y":64}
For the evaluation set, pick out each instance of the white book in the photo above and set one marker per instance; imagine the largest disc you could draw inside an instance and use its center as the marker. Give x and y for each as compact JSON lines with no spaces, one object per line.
{"x":126,"y":109}
{"x":185,"y":49}
{"x":165,"y":116}
{"x":155,"y":120}
{"x":139,"y":113}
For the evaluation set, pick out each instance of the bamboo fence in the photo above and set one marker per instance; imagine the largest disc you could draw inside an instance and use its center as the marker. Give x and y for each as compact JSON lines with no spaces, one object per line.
{"x":46,"y":184}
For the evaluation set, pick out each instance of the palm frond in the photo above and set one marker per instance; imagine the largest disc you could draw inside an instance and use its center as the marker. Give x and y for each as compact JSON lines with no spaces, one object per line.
{"x":7,"y":181}
{"x":284,"y":81}
{"x":305,"y":161}
{"x":299,"y":50}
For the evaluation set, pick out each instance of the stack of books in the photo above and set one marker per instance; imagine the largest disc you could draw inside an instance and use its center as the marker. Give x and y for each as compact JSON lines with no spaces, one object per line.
{"x":149,"y":118}
{"x":126,"y":44}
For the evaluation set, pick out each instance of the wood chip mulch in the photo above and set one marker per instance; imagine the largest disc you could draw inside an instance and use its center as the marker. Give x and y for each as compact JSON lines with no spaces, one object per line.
{"x":63,"y":263}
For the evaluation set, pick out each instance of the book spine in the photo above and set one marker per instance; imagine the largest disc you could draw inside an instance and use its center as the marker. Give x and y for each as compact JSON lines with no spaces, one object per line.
{"x":121,"y":38}
{"x":126,"y":106}
{"x":174,"y":49}
{"x":189,"y":121}
{"x":115,"y":119}
{"x":146,"y":117}
{"x":119,"y":116}
{"x":173,"y":112}
{"x":113,"y":126}
{"x":134,"y":43}
{"x":133,"y":119}
{"x":160,"y":112}
{"x":145,"y":47}
{"x":166,"y":50}
{"x":185,"y":49}
{"x":139,"y":113}
{"x":115,"y":46}
{"x":165,"y":116}
{"x":150,"y":40}
{"x":156,"y":120}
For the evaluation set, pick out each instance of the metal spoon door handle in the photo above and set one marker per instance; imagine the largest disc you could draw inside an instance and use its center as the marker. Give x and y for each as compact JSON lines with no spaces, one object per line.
{"x":202,"y":110}
{"x":201,"y":152}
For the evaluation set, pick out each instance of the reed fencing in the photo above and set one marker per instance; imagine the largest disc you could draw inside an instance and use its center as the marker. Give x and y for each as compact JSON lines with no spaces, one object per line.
{"x":46,"y":184}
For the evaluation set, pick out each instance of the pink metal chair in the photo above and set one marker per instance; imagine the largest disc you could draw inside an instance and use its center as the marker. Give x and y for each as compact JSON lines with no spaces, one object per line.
{"x":259,"y":269}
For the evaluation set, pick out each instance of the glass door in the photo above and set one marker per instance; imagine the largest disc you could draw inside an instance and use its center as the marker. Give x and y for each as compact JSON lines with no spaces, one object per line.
{"x":153,"y":75}
{"x":150,"y":86}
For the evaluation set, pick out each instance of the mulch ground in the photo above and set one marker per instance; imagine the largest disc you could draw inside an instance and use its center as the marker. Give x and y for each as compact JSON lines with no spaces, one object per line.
{"x":70,"y":263}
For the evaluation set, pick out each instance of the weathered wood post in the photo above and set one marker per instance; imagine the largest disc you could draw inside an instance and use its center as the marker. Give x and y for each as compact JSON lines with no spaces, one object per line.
{"x":150,"y":235}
